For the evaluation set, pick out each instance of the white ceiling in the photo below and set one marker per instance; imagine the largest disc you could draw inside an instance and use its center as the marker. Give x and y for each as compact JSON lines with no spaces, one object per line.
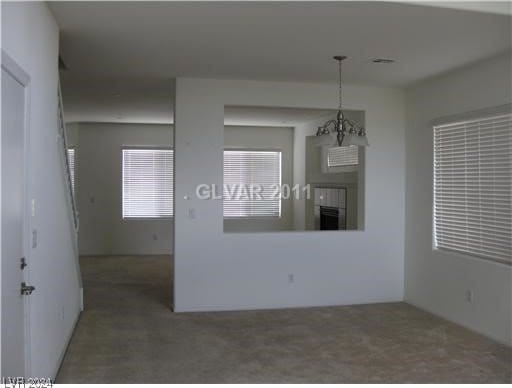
{"x":142,"y":46}
{"x":499,"y":7}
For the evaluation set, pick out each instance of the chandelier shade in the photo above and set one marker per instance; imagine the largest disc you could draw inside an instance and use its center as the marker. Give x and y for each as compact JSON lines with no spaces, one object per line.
{"x":326,"y":139}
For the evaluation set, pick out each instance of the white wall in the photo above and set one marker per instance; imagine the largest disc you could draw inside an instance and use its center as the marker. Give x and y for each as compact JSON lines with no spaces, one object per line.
{"x":264,"y":138}
{"x":72,"y":134}
{"x":217,"y":271}
{"x":299,"y":171}
{"x":98,"y":185}
{"x":98,"y":188}
{"x":30,"y":37}
{"x":437,"y":281}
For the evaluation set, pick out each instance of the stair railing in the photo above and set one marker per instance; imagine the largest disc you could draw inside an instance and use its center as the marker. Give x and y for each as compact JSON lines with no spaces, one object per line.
{"x":62,"y":135}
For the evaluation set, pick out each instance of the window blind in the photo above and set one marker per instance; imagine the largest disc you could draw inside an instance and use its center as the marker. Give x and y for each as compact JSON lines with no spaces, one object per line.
{"x":71,"y":162}
{"x":472,"y":187}
{"x":259,"y":169}
{"x":343,"y":156}
{"x":148,"y":180}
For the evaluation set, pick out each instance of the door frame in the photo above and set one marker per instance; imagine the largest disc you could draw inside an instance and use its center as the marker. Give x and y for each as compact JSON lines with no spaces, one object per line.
{"x":21,"y":76}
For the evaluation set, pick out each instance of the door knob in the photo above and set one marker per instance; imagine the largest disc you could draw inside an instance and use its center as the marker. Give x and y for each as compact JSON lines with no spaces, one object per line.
{"x":26,"y":290}
{"x":23,"y":263}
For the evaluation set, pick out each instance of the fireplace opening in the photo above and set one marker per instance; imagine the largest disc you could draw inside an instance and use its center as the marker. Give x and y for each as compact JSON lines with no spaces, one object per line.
{"x":329,"y":218}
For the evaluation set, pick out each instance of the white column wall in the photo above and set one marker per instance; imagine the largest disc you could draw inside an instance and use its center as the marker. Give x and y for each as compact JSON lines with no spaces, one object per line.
{"x":217,"y":271}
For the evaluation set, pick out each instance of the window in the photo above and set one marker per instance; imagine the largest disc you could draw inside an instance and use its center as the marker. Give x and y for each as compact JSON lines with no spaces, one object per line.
{"x":472,"y":187}
{"x":71,"y":162}
{"x":244,"y":169}
{"x":148,"y":180}
{"x":343,"y":156}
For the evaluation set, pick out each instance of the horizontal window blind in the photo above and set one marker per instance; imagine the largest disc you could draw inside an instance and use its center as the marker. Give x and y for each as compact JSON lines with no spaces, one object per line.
{"x":343,"y":156}
{"x":148,"y":180}
{"x":259,"y":169}
{"x":472,"y":187}
{"x":71,"y":162}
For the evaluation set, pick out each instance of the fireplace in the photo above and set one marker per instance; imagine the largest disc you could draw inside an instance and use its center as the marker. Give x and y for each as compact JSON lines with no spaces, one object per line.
{"x":330,"y":211}
{"x":329,"y":218}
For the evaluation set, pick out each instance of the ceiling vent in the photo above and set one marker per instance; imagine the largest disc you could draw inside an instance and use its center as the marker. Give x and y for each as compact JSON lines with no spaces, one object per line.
{"x":383,"y":60}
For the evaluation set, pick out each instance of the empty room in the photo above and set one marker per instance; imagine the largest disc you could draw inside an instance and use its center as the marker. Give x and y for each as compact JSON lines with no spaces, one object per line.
{"x":256,"y":192}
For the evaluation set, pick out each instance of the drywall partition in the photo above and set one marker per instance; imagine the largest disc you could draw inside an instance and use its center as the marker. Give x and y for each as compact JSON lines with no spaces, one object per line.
{"x":30,"y":37}
{"x":217,"y":271}
{"x":437,"y":281}
{"x":103,"y":231}
{"x":299,"y":168}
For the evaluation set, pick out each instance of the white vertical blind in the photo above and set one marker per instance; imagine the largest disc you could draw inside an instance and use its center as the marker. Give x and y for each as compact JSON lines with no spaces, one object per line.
{"x":246,"y":168}
{"x":71,"y":161}
{"x":472,"y":187}
{"x":343,"y":156}
{"x":148,"y":180}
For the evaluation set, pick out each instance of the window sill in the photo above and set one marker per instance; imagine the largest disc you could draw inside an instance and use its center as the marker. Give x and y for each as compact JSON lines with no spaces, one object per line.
{"x":253,"y":218}
{"x":147,"y":218}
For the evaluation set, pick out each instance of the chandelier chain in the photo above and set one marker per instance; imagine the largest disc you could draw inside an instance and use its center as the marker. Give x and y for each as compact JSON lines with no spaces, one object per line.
{"x":339,"y":87}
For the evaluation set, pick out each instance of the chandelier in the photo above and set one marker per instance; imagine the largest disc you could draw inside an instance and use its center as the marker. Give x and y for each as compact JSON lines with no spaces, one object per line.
{"x":347,"y":133}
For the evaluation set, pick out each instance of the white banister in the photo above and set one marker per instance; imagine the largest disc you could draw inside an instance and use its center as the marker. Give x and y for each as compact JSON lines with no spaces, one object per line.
{"x":71,"y":202}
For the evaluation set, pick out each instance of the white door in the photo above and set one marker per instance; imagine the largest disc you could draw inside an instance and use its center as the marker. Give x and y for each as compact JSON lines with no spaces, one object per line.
{"x":12,"y":245}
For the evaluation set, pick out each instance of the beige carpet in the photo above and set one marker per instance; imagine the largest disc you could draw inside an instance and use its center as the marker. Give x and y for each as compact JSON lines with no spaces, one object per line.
{"x":127,"y":334}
